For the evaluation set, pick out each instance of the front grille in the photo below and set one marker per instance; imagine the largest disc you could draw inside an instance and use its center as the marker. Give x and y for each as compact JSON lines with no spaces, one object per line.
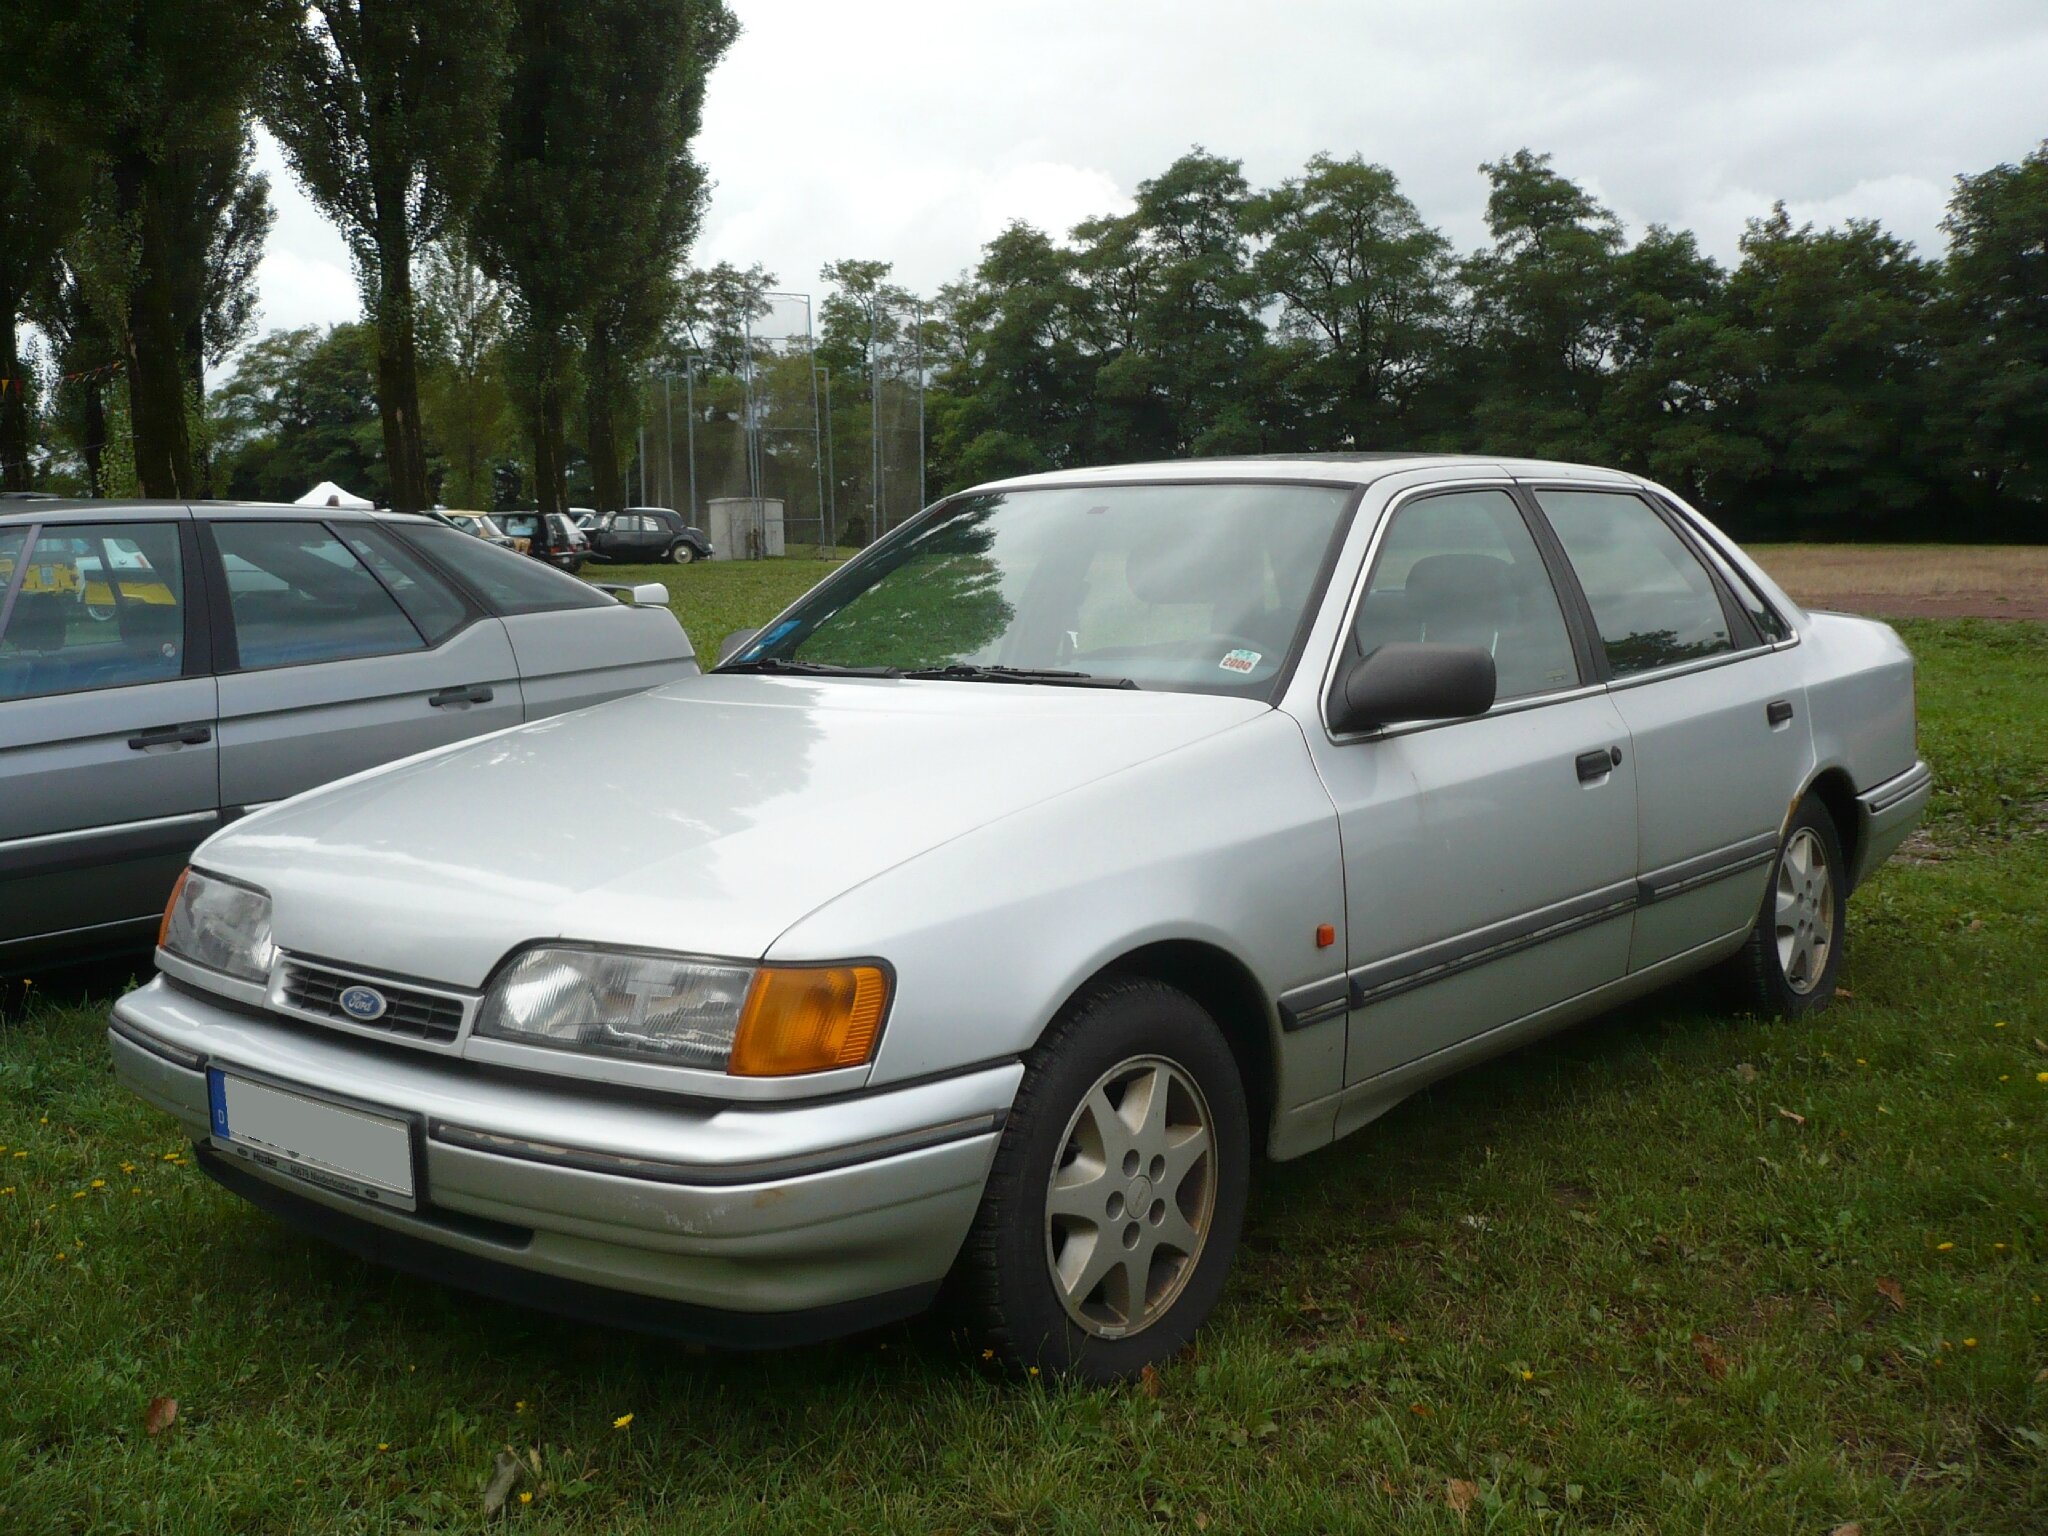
{"x":419,"y":1015}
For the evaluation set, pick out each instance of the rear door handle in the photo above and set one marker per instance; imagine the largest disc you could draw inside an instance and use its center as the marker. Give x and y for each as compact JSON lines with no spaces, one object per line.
{"x":458,"y":698}
{"x":1778,"y":711}
{"x":171,"y":736}
{"x":1594,"y":765}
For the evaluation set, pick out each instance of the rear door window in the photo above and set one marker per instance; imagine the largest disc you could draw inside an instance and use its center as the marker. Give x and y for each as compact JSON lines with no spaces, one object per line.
{"x":297,"y":594}
{"x":508,"y":583}
{"x":1653,"y":602}
{"x":98,"y":605}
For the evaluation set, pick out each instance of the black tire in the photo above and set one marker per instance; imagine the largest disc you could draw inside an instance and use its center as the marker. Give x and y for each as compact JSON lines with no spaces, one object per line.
{"x":1006,"y":1274}
{"x":1821,"y":906}
{"x":680,"y":552}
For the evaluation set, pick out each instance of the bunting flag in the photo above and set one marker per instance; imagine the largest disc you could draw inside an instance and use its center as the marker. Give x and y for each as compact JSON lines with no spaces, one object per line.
{"x":20,"y":386}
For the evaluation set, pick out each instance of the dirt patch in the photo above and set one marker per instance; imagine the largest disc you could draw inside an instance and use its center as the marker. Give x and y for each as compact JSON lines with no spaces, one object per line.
{"x":1915,"y":581}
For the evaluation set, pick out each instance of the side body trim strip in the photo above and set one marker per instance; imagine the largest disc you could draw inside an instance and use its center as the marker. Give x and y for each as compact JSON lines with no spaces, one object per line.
{"x":1436,"y":962}
{"x":1687,"y":874}
{"x":1315,"y":1002}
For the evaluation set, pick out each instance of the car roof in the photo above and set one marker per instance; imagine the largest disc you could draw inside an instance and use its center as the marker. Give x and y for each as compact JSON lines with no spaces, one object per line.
{"x":1338,"y":468}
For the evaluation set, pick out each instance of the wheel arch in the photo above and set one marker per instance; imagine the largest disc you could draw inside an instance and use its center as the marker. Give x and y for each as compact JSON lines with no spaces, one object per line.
{"x":1834,"y":789}
{"x":1231,"y":995}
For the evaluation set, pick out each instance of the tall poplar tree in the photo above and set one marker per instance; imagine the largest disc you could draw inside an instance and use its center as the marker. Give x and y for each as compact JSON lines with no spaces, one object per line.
{"x":388,"y":112}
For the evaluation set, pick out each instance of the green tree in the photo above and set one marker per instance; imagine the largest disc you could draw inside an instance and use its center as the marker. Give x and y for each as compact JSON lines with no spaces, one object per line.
{"x":151,"y":99}
{"x":1365,"y":291}
{"x":590,"y":203}
{"x":1827,"y":379}
{"x":40,"y":190}
{"x":388,"y":111}
{"x":1543,"y":310}
{"x":299,"y":408}
{"x":1995,"y":362}
{"x":463,"y":395}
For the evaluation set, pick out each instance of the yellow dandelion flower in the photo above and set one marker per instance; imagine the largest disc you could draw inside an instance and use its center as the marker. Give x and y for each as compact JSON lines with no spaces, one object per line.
{"x":1969,"y":1343}
{"x":99,"y":1183}
{"x":62,"y":1255}
{"x":170,"y":1157}
{"x":988,"y":1354}
{"x":519,"y":1406}
{"x":526,"y":1495}
{"x":8,"y":1190}
{"x":21,"y":1154}
{"x":1528,"y":1375}
{"x":1998,"y":1247}
{"x":78,"y":1194}
{"x":1034,"y":1370}
{"x":1943,"y":1247}
{"x":2005,"y":1077}
{"x":383,"y":1445}
{"x":2041,"y":1077}
{"x":622,"y":1421}
{"x":1999,"y":1025}
{"x":127,"y":1167}
{"x":134,"y":1191}
{"x":44,"y":1121}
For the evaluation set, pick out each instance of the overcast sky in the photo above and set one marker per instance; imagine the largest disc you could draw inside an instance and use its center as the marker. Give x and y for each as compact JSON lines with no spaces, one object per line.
{"x":912,"y":131}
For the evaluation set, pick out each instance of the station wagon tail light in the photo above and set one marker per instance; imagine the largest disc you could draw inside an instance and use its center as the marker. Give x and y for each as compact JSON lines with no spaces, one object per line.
{"x":710,"y":1015}
{"x":809,"y":1019}
{"x":220,"y":924}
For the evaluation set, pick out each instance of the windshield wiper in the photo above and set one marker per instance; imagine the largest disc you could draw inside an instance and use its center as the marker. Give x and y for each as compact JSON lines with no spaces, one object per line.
{"x":807,"y":668}
{"x":961,"y":672}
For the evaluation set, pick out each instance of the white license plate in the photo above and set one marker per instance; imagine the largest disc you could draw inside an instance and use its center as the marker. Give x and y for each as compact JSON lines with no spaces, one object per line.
{"x":348,"y":1150}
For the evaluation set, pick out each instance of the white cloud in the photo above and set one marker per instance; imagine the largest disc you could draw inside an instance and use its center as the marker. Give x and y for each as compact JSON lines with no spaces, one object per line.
{"x":913,"y":130}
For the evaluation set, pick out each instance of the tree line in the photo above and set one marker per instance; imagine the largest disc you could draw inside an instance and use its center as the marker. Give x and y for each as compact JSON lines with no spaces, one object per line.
{"x":539,"y":150}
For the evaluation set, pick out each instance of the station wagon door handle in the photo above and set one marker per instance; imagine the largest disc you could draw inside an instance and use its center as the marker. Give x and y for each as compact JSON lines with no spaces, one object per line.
{"x":1778,"y":711}
{"x":1595,"y":765}
{"x":171,"y":736}
{"x":460,"y":698}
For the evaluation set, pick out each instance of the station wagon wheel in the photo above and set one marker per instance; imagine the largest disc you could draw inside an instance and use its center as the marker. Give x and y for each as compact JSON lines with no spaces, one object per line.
{"x":1112,"y":1209}
{"x":1131,"y":1198}
{"x":1792,"y":957}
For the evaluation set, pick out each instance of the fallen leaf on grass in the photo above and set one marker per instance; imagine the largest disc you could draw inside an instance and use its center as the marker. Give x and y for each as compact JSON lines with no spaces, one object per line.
{"x":1746,"y":1071}
{"x":158,"y":1416}
{"x":1148,"y":1381}
{"x":504,"y":1477}
{"x":2039,"y":1045}
{"x":1892,"y":1292}
{"x":1851,"y":1528}
{"x":1786,"y":1114}
{"x":1459,"y":1493}
{"x":1843,"y":992}
{"x":1712,"y":1360}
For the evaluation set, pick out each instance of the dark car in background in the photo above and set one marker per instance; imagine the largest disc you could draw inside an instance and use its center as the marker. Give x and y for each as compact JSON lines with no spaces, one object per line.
{"x":565,"y":548}
{"x":639,"y":535}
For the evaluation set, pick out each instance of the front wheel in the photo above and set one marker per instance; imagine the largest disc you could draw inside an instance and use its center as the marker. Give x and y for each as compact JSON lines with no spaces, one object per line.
{"x":1789,"y":965}
{"x":680,"y":553}
{"x":1113,"y":1208}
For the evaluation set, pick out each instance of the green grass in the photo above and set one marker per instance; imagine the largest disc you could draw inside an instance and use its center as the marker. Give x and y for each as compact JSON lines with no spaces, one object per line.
{"x":1609,"y":1283}
{"x":713,"y":598}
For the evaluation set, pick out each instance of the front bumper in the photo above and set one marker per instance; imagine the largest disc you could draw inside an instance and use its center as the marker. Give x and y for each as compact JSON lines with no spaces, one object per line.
{"x":545,"y":1190}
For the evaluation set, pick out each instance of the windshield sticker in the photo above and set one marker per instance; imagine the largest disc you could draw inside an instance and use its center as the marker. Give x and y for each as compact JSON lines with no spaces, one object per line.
{"x":1239,"y":661}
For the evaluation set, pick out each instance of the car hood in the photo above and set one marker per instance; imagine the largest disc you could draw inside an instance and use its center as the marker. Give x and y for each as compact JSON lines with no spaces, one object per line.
{"x":705,"y":816}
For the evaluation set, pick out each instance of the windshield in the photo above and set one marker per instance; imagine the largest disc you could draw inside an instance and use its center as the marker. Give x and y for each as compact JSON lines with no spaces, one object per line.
{"x":1193,"y":588}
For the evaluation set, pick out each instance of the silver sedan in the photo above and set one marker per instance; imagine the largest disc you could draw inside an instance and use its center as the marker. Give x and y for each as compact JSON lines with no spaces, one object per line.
{"x":994,"y":905}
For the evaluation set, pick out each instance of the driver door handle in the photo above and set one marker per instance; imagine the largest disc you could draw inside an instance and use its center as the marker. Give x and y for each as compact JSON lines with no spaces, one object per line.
{"x":171,"y":736}
{"x":1597,"y":765}
{"x":460,"y":698}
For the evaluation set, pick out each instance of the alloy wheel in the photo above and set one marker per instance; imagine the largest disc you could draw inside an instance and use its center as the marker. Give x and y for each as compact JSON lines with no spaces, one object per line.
{"x":1805,"y":912}
{"x":1131,"y":1197}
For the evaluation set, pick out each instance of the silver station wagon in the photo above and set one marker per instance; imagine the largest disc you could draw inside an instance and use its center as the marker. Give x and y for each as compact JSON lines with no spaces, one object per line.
{"x":167,"y":668}
{"x":993,"y":906}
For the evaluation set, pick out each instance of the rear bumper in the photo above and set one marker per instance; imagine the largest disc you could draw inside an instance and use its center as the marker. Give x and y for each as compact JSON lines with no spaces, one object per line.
{"x":1885,"y":814}
{"x":806,"y":1218}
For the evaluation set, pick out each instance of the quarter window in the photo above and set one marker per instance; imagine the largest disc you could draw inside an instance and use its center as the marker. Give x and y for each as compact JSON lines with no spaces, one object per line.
{"x":1653,"y":602}
{"x":1463,"y":569}
{"x":98,"y":606}
{"x":428,"y":601}
{"x":297,"y":594}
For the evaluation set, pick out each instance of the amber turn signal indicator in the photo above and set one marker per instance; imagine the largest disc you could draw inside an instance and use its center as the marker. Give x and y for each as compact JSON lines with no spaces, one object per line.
{"x":809,"y":1019}
{"x":1326,"y":935}
{"x":163,"y":927}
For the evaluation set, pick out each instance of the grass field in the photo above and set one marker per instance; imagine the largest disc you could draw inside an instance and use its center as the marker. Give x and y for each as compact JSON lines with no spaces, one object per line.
{"x":1677,"y":1270}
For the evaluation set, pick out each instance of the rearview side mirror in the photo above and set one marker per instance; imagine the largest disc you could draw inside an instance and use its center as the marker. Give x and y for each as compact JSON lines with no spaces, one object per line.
{"x":734,"y":643}
{"x":1411,"y":680}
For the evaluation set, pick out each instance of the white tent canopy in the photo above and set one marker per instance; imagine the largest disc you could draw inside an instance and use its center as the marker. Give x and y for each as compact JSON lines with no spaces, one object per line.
{"x":328,"y":494}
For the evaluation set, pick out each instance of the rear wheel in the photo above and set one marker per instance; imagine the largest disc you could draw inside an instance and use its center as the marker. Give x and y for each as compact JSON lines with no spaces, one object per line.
{"x":1794,"y":953}
{"x":680,"y":552}
{"x":1113,"y":1208}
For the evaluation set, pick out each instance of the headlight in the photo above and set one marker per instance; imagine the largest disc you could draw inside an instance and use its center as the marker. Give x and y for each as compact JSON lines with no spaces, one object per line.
{"x":715,"y":1016}
{"x":219,"y":924}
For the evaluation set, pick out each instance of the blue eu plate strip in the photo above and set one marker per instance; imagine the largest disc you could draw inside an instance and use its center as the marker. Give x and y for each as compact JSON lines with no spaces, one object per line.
{"x":217,"y":1097}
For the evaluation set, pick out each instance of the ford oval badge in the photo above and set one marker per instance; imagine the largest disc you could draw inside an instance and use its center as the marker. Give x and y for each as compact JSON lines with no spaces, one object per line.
{"x":364,"y":1003}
